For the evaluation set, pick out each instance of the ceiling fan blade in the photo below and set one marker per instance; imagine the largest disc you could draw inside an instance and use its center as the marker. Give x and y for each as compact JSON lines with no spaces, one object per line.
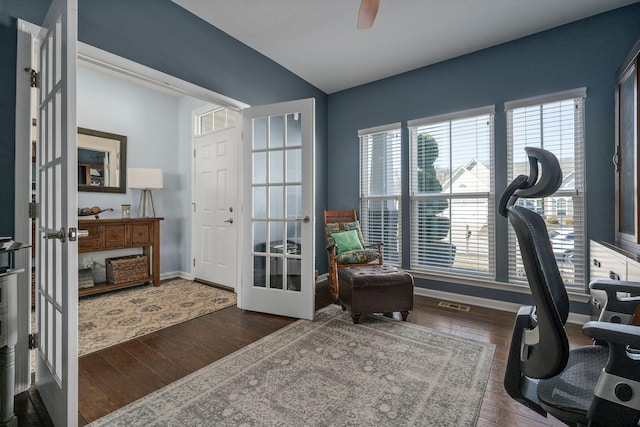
{"x":367,"y":14}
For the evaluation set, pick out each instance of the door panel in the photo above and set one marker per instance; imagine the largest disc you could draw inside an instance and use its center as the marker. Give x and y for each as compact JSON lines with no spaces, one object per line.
{"x":279,"y":204}
{"x":215,"y":225}
{"x":57,"y":264}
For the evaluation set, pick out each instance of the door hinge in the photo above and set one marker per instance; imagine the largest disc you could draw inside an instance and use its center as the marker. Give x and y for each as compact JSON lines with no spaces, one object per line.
{"x":34,"y":210}
{"x":33,"y":341}
{"x":33,"y":82}
{"x":194,"y":262}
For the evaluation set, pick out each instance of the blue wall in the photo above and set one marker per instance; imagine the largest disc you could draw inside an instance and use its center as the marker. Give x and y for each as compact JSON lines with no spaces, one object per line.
{"x":163,"y":36}
{"x":8,"y":50}
{"x":33,"y":11}
{"x":586,"y":53}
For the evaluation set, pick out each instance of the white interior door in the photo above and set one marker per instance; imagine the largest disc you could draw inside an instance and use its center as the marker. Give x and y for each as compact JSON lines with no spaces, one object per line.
{"x":215,"y":226}
{"x":278,"y":209}
{"x":57,"y":250}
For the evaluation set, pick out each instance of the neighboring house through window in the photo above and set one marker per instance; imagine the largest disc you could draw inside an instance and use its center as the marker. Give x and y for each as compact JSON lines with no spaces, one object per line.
{"x":452,"y":189}
{"x":452,"y":193}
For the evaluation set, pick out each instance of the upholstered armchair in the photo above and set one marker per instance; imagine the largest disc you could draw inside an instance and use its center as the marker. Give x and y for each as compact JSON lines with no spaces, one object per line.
{"x":346,"y":246}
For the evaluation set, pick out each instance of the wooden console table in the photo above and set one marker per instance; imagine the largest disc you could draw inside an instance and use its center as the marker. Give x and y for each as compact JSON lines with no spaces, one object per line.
{"x":110,"y":234}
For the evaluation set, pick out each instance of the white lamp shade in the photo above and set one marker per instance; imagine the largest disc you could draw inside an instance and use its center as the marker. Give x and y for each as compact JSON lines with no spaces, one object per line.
{"x":144,"y":178}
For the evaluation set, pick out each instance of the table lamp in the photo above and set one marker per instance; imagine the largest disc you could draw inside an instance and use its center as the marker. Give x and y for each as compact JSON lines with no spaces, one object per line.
{"x":145,"y":179}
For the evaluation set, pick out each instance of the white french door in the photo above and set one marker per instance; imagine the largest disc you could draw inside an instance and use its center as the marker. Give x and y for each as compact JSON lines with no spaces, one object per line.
{"x":215,"y":237}
{"x":278,"y":210}
{"x":57,"y":261}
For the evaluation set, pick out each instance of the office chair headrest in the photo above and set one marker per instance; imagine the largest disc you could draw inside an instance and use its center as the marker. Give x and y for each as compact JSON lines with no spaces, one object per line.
{"x":533,"y":186}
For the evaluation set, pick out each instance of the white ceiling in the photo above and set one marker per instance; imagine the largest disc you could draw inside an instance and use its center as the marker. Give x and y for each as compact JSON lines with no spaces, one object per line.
{"x":318,"y":40}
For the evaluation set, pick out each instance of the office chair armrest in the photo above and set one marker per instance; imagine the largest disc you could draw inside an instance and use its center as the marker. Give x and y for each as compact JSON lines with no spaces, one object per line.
{"x":613,"y":333}
{"x":626,"y":305}
{"x":615,"y":286}
{"x":519,"y":386}
{"x":615,"y":396}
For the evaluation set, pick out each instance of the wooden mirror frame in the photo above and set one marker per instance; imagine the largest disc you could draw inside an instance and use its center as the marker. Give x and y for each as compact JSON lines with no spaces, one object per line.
{"x":122,"y":175}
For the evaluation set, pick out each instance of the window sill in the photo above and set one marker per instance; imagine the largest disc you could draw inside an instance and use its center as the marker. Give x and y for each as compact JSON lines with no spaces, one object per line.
{"x":574,"y":295}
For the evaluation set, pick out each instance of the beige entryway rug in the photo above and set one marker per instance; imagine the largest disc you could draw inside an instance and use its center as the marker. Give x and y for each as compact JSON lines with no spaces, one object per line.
{"x":111,"y":318}
{"x":328,"y":372}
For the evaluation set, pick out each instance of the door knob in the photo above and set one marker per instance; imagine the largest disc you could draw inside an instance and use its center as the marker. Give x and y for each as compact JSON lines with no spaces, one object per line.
{"x":230,"y":220}
{"x":60,"y":234}
{"x":75,"y":234}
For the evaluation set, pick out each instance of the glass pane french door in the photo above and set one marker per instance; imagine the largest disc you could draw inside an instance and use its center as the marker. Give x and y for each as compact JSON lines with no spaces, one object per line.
{"x":277,"y":202}
{"x":56,"y":361}
{"x":280,"y":192}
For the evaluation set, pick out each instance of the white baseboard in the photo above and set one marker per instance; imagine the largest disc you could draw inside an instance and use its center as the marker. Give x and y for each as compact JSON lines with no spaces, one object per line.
{"x":174,"y":274}
{"x":510,"y":307}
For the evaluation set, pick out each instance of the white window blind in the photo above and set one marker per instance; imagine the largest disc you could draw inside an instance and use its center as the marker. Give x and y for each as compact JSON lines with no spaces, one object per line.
{"x":452,"y":196}
{"x":557,"y":125}
{"x":380,"y":189}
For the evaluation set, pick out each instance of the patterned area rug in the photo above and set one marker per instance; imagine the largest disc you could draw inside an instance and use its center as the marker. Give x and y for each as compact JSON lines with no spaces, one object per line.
{"x":329,"y":372}
{"x":108,"y":319}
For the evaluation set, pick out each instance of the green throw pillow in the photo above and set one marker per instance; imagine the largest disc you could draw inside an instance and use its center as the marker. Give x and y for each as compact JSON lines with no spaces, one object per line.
{"x":347,"y":241}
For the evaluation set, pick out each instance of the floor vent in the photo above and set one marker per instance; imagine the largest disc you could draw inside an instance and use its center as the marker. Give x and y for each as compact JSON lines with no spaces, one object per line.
{"x":454,"y":306}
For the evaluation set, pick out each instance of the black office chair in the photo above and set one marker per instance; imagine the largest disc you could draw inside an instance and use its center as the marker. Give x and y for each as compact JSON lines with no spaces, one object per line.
{"x":597,"y":385}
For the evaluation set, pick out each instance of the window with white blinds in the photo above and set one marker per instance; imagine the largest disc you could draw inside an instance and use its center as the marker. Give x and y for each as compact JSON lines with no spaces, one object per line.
{"x":452,"y":193}
{"x":380,"y":189}
{"x":556,"y":123}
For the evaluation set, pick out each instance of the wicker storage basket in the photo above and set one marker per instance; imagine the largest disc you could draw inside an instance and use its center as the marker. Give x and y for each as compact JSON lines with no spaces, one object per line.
{"x":127,"y":269}
{"x":85,"y":278}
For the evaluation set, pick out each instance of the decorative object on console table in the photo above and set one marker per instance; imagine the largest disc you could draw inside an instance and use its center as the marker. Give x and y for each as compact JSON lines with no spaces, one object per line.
{"x":95,"y":211}
{"x":123,"y":233}
{"x":145,"y":179}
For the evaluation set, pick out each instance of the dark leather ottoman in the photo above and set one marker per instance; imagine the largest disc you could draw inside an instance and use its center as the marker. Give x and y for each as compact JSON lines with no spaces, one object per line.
{"x":375,"y":289}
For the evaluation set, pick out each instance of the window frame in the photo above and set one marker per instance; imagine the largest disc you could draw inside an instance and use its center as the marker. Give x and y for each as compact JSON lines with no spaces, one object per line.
{"x":369,"y":232}
{"x":577,"y":194}
{"x":489,"y":274}
{"x":215,"y":112}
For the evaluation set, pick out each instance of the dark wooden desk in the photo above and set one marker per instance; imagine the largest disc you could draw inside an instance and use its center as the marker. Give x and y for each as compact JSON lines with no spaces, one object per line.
{"x":110,"y":234}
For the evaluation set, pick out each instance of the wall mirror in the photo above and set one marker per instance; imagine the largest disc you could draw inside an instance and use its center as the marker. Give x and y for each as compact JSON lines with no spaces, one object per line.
{"x":102,"y":161}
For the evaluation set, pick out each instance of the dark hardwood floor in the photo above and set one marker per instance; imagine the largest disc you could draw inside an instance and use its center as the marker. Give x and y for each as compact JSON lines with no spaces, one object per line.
{"x":116,"y":376}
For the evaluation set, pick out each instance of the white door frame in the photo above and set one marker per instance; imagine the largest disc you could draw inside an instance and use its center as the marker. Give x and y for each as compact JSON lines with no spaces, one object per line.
{"x":87,"y":55}
{"x":263,"y":298}
{"x":238,"y":200}
{"x":27,"y":40}
{"x":57,"y":262}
